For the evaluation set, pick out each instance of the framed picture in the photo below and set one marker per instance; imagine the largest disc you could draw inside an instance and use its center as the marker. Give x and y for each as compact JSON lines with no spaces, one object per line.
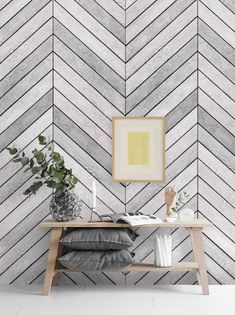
{"x":138,"y":149}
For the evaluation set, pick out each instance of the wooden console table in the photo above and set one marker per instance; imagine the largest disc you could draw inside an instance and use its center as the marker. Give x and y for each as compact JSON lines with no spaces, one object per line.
{"x":194,"y":227}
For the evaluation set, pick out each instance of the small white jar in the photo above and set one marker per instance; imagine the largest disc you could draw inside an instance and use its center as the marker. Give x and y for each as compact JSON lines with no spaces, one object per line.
{"x":186,"y":214}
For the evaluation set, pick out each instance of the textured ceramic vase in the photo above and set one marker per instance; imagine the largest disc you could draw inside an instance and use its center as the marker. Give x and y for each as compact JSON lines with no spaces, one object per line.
{"x":65,"y":207}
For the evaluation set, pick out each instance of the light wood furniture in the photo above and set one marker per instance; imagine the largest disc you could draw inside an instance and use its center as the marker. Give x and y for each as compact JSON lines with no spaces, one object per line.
{"x":194,"y":227}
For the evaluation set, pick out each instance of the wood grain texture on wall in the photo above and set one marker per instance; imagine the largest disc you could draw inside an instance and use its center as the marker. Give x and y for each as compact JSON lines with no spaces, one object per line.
{"x":26,"y":111}
{"x":68,"y":67}
{"x":216,"y":142}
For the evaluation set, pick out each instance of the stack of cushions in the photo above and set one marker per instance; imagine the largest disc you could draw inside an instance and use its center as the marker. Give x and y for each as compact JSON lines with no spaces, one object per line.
{"x":97,"y":249}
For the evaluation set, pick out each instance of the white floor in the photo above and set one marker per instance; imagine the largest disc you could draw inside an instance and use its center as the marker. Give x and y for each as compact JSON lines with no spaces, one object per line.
{"x":114,"y":300}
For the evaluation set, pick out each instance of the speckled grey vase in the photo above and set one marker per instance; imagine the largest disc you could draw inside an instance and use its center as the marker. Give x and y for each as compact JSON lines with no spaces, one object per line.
{"x":65,"y":207}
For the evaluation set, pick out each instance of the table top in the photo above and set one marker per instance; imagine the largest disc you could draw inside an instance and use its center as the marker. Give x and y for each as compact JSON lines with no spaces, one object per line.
{"x":196,"y":223}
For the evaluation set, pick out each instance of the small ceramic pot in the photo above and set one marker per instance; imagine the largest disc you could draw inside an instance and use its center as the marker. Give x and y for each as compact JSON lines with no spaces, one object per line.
{"x":171,"y":217}
{"x":186,"y":214}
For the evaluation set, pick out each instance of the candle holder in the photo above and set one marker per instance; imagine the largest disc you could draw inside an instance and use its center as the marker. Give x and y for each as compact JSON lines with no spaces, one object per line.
{"x":95,"y":212}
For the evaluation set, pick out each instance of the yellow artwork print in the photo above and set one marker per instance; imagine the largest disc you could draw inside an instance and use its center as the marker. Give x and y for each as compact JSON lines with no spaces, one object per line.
{"x":138,"y":148}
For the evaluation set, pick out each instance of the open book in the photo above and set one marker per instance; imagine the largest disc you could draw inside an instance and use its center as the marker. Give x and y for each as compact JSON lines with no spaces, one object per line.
{"x":132,"y":219}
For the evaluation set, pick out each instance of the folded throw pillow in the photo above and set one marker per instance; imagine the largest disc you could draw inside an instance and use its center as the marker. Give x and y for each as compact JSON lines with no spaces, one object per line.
{"x":99,"y":238}
{"x":97,"y":260}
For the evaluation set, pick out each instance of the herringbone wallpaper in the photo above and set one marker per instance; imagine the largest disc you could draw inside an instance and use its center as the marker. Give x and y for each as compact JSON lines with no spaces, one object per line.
{"x":66,"y":68}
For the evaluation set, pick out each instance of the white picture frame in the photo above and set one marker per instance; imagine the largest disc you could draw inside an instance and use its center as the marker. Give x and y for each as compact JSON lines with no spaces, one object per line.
{"x":138,"y":149}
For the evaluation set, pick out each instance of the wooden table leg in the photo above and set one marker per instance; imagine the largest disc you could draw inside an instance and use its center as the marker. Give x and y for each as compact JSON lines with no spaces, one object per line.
{"x":51,"y":261}
{"x":59,"y":253}
{"x":194,"y":252}
{"x":197,"y":244}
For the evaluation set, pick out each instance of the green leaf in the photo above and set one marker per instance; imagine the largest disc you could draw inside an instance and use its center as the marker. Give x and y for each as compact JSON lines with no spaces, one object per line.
{"x":27,"y":192}
{"x":44,"y":170}
{"x":51,"y":184}
{"x":16,"y":160}
{"x":39,"y":156}
{"x":37,"y":185}
{"x":61,"y":163}
{"x":51,"y":170}
{"x":58,"y":192}
{"x":56,"y":180}
{"x":33,"y":188}
{"x":68,"y":178}
{"x":42,"y":140}
{"x":56,"y":157}
{"x":58,"y":176}
{"x":12,"y":151}
{"x":24,"y":160}
{"x":31,"y":163}
{"x":36,"y":169}
{"x":27,"y":169}
{"x":74,"y":180}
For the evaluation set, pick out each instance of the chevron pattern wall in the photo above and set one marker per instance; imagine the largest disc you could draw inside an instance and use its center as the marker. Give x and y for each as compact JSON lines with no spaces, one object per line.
{"x":216,"y":144}
{"x":68,"y":67}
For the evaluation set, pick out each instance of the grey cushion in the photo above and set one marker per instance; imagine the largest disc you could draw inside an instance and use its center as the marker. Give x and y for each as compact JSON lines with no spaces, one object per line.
{"x":99,"y":239}
{"x":96,"y":260}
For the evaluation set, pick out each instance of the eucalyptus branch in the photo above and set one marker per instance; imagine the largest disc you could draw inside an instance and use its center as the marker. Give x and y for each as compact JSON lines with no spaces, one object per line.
{"x":181,"y":200}
{"x":49,"y":166}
